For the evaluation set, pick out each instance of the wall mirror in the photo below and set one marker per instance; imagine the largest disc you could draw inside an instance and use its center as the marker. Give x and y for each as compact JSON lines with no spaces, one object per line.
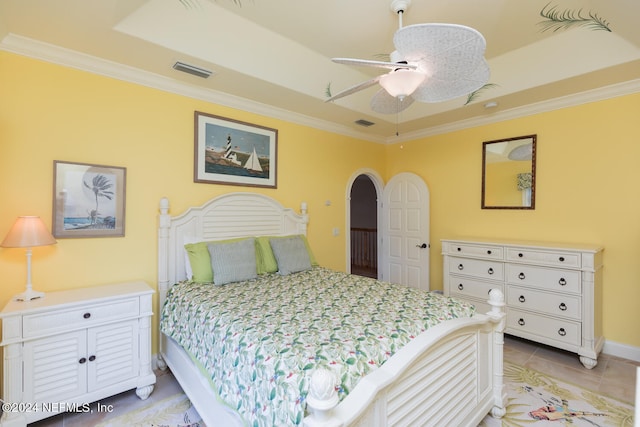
{"x":509,"y":173}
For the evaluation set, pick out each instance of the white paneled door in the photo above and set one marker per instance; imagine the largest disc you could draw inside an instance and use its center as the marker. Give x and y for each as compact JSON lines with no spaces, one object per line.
{"x":405,"y":231}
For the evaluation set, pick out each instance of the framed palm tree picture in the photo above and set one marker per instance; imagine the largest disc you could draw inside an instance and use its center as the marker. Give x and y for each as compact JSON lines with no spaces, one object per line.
{"x":88,"y":200}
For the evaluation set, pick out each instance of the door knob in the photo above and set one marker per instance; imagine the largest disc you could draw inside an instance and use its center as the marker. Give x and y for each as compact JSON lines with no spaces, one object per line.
{"x":422,"y":246}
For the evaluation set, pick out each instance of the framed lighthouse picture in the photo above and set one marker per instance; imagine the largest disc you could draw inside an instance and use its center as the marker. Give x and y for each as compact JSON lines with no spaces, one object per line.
{"x":233,"y":152}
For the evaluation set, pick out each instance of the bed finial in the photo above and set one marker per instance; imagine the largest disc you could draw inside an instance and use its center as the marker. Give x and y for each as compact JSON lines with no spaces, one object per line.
{"x":164,"y":205}
{"x":322,"y":398}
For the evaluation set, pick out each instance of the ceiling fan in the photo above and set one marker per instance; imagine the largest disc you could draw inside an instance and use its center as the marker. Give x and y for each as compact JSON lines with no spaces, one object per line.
{"x":432,"y":63}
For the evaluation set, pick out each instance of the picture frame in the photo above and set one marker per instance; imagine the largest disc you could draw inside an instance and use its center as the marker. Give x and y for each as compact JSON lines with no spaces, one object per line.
{"x":232,"y":152}
{"x":88,"y":200}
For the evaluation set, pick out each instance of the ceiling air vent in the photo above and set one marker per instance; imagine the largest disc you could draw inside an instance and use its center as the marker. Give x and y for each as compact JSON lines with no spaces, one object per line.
{"x":191,"y":69}
{"x":365,"y":123}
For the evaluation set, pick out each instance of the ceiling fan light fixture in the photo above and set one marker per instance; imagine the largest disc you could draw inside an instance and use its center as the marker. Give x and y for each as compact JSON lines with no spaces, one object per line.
{"x":402,"y":82}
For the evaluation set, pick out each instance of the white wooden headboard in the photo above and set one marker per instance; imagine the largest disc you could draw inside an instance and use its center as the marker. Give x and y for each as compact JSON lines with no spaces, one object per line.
{"x":223,"y":217}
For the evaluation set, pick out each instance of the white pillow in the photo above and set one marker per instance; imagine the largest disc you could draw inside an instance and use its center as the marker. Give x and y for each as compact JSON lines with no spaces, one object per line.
{"x":186,"y":239}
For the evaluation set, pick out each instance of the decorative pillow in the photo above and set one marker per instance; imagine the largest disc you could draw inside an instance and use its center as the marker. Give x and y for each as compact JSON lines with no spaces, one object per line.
{"x":187,"y":262}
{"x":200,"y":260}
{"x":291,"y":255}
{"x":234,"y":261}
{"x":269,"y":261}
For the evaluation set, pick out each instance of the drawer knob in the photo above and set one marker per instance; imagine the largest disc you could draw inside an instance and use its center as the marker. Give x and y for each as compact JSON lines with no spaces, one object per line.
{"x":521,"y":299}
{"x":521,"y":321}
{"x":83,"y":360}
{"x":562,"y":281}
{"x":521,"y":276}
{"x":520,"y":255}
{"x":460,"y":286}
{"x":561,"y":259}
{"x":489,"y":252}
{"x":459,"y":249}
{"x":562,"y":332}
{"x":490,"y":270}
{"x":86,"y":315}
{"x":562,"y":306}
{"x":460,"y":267}
{"x":92,"y":358}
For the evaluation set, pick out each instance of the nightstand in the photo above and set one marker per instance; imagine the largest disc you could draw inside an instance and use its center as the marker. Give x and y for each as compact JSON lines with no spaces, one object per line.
{"x":74,"y":347}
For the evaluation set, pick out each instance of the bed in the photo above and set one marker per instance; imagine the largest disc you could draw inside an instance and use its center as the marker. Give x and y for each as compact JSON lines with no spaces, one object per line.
{"x":446,"y":373}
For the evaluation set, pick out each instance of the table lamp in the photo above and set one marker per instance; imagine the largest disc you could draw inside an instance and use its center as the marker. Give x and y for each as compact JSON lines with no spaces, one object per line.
{"x":27,"y":232}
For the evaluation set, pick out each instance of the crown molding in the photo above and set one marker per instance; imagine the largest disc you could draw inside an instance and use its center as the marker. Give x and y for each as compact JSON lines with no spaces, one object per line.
{"x":600,"y":94}
{"x":69,"y":58}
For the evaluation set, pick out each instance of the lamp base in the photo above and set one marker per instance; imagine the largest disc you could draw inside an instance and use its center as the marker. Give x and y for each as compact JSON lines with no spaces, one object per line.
{"x":28,"y":295}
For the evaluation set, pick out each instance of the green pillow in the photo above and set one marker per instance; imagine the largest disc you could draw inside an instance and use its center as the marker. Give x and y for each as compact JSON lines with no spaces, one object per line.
{"x":200,"y":259}
{"x":270,"y":264}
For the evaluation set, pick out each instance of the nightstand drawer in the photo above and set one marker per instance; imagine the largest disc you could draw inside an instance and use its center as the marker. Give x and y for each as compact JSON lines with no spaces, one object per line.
{"x":63,"y":320}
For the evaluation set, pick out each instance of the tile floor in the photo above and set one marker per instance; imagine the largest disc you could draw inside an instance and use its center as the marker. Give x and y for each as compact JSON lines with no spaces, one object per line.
{"x":612,"y":376}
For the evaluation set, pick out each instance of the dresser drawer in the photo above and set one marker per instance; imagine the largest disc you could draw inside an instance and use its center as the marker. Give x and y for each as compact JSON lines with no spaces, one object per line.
{"x":56,"y":321}
{"x":477,"y":268}
{"x":551,"y":258}
{"x":559,"y":305}
{"x":521,"y":323}
{"x":544,"y":278}
{"x":477,"y":251}
{"x":464,"y":287}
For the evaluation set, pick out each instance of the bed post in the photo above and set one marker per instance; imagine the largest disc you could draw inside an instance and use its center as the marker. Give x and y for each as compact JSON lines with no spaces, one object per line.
{"x":497,"y":314}
{"x":163,"y":269}
{"x":305,"y":219}
{"x":322,"y":398}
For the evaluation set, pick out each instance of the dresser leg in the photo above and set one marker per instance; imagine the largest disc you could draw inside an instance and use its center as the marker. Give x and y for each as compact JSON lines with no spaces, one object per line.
{"x":144,"y":392}
{"x":588,"y":362}
{"x":12,"y":419}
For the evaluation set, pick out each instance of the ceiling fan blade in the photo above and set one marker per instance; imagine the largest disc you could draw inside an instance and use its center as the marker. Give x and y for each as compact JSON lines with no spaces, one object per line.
{"x":445,"y":51}
{"x":370,"y":63}
{"x":384,"y":103}
{"x":437,"y":90}
{"x":354,"y":89}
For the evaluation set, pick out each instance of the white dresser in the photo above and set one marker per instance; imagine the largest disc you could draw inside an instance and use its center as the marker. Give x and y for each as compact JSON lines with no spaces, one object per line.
{"x":75,"y":347}
{"x":553,"y":291}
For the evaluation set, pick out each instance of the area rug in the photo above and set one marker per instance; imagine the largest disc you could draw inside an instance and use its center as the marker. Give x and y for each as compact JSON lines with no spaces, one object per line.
{"x":536,"y":399}
{"x":174,"y":411}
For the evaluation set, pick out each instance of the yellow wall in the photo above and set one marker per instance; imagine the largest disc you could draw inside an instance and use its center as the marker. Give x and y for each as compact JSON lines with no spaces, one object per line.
{"x":49,"y":112}
{"x":587,"y":176}
{"x":587,"y":180}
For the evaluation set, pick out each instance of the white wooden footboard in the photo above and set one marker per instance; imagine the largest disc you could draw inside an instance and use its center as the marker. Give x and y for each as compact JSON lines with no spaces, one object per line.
{"x":449,"y":376}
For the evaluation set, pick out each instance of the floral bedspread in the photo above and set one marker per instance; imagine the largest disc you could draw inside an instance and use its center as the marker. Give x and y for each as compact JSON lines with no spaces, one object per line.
{"x":260,"y":340}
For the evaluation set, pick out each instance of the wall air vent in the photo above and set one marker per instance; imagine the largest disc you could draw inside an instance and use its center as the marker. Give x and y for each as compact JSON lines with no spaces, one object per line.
{"x":191,"y":69}
{"x":365,"y":123}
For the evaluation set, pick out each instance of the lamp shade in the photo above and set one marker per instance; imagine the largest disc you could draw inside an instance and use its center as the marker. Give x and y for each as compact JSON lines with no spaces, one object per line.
{"x":401,"y":83}
{"x":27,"y":232}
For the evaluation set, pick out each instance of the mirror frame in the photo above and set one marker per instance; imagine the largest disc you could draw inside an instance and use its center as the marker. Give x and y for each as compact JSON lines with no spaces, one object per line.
{"x":533,"y":172}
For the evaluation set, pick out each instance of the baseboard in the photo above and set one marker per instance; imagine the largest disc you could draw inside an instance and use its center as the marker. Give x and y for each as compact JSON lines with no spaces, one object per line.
{"x":621,"y":350}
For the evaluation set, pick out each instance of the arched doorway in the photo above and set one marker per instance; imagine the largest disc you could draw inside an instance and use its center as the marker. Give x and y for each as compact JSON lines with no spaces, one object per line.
{"x":362,"y":239}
